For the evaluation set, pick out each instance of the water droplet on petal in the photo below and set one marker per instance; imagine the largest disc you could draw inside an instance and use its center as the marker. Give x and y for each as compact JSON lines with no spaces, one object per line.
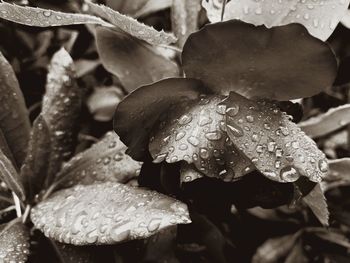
{"x":323,"y":165}
{"x":236,"y":130}
{"x":289,"y":174}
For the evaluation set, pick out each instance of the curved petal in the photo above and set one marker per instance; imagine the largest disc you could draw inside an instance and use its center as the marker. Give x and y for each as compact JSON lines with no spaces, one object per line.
{"x":136,"y":115}
{"x":280,"y":63}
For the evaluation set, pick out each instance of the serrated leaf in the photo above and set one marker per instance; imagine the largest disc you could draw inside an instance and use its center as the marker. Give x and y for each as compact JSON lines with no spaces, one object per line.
{"x":35,"y":167}
{"x":122,"y":55}
{"x":184,"y":19}
{"x":132,"y":26}
{"x":40,"y":17}
{"x":195,"y":131}
{"x":61,"y":109}
{"x":318,"y":205}
{"x":275,"y":145}
{"x":138,"y":113}
{"x":14,"y":120}
{"x":106,"y":213}
{"x":275,"y":249}
{"x":323,"y":124}
{"x":14,"y":240}
{"x":105,"y":161}
{"x":265,"y":63}
{"x":319,"y":17}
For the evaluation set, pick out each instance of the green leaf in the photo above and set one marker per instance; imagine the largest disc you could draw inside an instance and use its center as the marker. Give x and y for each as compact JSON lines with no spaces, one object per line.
{"x":35,"y":167}
{"x":14,"y":240}
{"x":195,"y":131}
{"x":14,"y":121}
{"x":184,"y":18}
{"x":319,"y":17}
{"x":105,"y":161}
{"x":328,"y":122}
{"x":106,"y":213}
{"x":276,"y":146}
{"x":134,"y":62}
{"x":132,"y":26}
{"x":318,"y":205}
{"x":39,"y":17}
{"x":61,"y":109}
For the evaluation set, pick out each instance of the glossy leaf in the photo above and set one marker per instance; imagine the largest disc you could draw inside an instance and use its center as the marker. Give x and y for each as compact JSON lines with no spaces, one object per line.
{"x":14,"y":121}
{"x":39,"y":17}
{"x":319,"y":17}
{"x":328,"y":122}
{"x":275,"y":145}
{"x":138,"y":113}
{"x":275,"y":249}
{"x":131,"y":26}
{"x":184,"y":20}
{"x":105,"y":161}
{"x":35,"y":167}
{"x":61,"y":108}
{"x":271,"y":63}
{"x":195,"y":131}
{"x":14,"y":240}
{"x":135,"y":63}
{"x":106,"y":213}
{"x":318,"y":205}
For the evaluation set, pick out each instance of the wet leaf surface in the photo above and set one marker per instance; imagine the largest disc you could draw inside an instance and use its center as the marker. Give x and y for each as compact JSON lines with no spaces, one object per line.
{"x":105,"y":161}
{"x":122,"y":55}
{"x":132,"y":26}
{"x":275,"y":145}
{"x":319,"y":17}
{"x":14,"y":240}
{"x":256,"y":65}
{"x":14,"y":121}
{"x":106,"y":213}
{"x":318,"y":205}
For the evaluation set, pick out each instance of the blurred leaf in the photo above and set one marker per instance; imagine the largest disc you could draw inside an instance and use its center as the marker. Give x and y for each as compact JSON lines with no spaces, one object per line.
{"x":328,"y":122}
{"x":134,"y":62}
{"x":256,"y":65}
{"x":331,"y":235}
{"x":5,"y":148}
{"x":84,"y":66}
{"x":275,"y":249}
{"x":39,"y":17}
{"x":14,"y":121}
{"x":138,"y":113}
{"x":105,"y":161}
{"x":103,"y":101}
{"x":131,"y":26}
{"x":61,"y":109}
{"x":152,"y":6}
{"x":10,"y":176}
{"x":318,"y":205}
{"x":184,"y":18}
{"x":272,"y":142}
{"x":195,"y":131}
{"x":14,"y":240}
{"x":106,"y":213}
{"x":35,"y":166}
{"x":318,"y":17}
{"x":297,"y":254}
{"x":340,"y":168}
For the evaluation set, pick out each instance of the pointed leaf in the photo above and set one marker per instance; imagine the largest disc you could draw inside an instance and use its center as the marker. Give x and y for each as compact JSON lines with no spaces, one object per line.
{"x":135,"y":63}
{"x":106,"y":213}
{"x":328,"y":122}
{"x":138,"y":113}
{"x":35,"y":167}
{"x":39,"y":17}
{"x":14,"y":240}
{"x":275,"y":145}
{"x":105,"y":161}
{"x":195,"y":131}
{"x":14,"y":121}
{"x":318,"y":205}
{"x":319,"y":17}
{"x":132,"y":26}
{"x":266,"y":63}
{"x":61,"y":109}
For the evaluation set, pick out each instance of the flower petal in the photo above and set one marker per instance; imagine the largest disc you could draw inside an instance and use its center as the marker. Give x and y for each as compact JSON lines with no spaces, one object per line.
{"x":280,"y":63}
{"x":137,"y":114}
